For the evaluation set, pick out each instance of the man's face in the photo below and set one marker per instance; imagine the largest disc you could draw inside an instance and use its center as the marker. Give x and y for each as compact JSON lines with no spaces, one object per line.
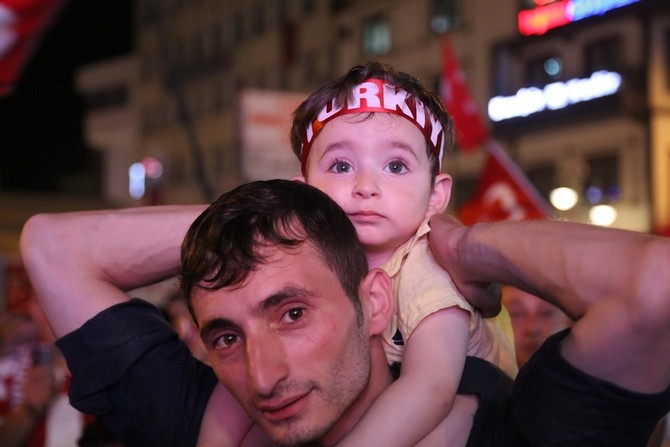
{"x":533,"y":321}
{"x":287,"y":345}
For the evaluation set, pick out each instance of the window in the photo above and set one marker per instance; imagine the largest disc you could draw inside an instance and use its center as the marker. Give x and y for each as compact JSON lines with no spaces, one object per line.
{"x":258,"y":19}
{"x":308,"y":7}
{"x":505,"y":81}
{"x":282,"y":12}
{"x":603,"y":54}
{"x":217,"y":94}
{"x":530,"y":4}
{"x":289,"y":44}
{"x":376,"y":36}
{"x":445,"y":15}
{"x":107,"y":98}
{"x":463,"y":191}
{"x":218,"y":159}
{"x":601,"y":183}
{"x":238,"y":27}
{"x":543,"y":178}
{"x":543,"y":70}
{"x":309,"y":68}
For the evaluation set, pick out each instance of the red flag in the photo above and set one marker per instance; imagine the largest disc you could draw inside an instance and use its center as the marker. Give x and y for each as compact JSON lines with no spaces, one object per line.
{"x":504,"y":193}
{"x":22,"y":24}
{"x":662,"y":230}
{"x":470,"y":130}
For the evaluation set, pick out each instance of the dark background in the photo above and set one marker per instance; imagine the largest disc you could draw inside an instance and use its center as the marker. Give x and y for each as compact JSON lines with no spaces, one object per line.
{"x":41,"y":141}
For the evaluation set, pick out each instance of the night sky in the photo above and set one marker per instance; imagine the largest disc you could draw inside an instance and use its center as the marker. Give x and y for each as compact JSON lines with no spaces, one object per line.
{"x":41,"y":140}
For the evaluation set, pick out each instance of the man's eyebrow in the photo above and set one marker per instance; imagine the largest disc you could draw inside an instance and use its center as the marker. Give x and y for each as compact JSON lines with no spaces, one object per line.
{"x":280,"y":296}
{"x":268,"y":303}
{"x":216,"y":324}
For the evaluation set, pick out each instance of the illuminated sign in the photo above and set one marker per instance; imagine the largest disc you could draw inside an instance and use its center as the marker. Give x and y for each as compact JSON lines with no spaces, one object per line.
{"x":553,"y":15}
{"x":557,"y":95}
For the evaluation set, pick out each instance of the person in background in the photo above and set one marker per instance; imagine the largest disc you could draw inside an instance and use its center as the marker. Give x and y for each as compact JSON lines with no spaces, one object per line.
{"x":27,"y":380}
{"x":34,"y":383}
{"x":533,"y":320}
{"x":34,"y":407}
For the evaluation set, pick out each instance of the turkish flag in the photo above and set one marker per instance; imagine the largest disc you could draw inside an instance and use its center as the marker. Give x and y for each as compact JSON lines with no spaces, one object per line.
{"x":470,"y":130}
{"x":503,"y":193}
{"x":22,"y":24}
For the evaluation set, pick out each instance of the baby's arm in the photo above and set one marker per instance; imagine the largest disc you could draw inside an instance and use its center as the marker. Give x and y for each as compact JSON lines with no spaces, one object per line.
{"x":422,"y":397}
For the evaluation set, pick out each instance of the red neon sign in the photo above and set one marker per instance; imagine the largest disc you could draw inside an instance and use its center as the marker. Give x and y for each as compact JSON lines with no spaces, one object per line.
{"x":540,"y":20}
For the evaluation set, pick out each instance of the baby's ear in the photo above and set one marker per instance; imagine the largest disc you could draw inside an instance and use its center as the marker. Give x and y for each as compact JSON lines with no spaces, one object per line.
{"x":299,"y":179}
{"x":439,"y":198}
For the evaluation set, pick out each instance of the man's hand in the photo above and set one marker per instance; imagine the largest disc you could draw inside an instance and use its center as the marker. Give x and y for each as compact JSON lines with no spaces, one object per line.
{"x":446,"y":236}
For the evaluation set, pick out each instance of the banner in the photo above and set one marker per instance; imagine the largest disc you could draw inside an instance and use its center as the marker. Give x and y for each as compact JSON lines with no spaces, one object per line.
{"x":469,"y":128}
{"x":264,"y":125}
{"x":22,"y":24}
{"x":503,"y":193}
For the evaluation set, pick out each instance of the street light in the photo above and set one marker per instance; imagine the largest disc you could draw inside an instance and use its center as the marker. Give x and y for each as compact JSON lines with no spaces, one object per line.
{"x":603,"y":215}
{"x":563,"y":198}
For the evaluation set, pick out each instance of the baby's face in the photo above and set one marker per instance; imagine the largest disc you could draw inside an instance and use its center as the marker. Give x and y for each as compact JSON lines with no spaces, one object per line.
{"x":377,"y":169}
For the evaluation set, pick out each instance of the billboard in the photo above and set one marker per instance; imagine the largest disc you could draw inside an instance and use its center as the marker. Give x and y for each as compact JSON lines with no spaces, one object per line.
{"x":264,"y":125}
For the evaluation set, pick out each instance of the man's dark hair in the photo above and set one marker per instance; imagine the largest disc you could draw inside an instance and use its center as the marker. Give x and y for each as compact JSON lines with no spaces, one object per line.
{"x":342,"y":88}
{"x":225,"y":243}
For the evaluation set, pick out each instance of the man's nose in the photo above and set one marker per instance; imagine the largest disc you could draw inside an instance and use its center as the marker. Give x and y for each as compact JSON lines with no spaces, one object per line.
{"x":366,"y":184}
{"x":267,"y":364}
{"x":531,"y":325}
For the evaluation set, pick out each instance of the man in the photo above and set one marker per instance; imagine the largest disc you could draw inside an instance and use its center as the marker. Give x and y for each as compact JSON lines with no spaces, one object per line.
{"x":533,"y":321}
{"x":286,"y":335}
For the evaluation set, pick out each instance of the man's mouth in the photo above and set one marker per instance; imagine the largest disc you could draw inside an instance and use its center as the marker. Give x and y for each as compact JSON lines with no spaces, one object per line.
{"x":286,"y":408}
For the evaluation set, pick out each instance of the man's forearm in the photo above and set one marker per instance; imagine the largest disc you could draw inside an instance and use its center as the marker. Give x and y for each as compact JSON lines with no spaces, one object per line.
{"x":572,"y":265}
{"x":82,"y":263}
{"x":614,"y":283}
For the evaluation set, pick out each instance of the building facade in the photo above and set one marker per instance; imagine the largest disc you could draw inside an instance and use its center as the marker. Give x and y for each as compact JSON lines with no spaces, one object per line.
{"x":574,"y":90}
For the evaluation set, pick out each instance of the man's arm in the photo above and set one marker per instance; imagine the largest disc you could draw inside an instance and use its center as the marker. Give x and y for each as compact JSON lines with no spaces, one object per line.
{"x":615,"y":283}
{"x":82,"y":263}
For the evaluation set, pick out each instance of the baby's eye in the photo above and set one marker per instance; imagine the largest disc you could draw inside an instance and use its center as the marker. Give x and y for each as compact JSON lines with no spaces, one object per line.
{"x":396,"y":167}
{"x":340,"y":167}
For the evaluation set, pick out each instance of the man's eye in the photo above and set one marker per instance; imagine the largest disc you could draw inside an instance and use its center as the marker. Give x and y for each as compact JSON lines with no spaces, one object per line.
{"x":225,"y":341}
{"x":340,"y":167}
{"x":294,"y":314}
{"x":396,"y":167}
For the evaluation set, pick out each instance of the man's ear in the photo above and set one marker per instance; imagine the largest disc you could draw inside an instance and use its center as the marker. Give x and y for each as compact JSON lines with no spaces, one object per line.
{"x":377,"y":287}
{"x":299,"y":179}
{"x":439,"y":198}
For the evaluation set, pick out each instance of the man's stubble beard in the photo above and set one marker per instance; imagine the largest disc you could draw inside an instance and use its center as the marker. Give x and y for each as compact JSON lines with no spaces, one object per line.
{"x":350,"y":381}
